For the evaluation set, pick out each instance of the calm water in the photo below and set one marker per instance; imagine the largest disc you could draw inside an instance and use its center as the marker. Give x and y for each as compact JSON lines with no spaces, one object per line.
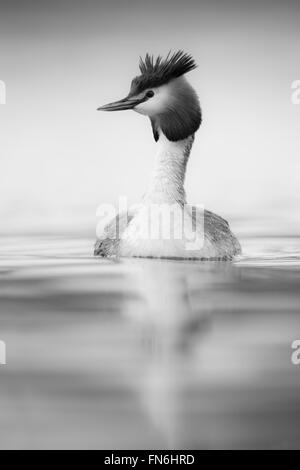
{"x":148,"y":354}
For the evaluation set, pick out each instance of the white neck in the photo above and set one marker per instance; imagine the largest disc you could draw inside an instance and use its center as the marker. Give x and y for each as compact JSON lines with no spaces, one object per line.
{"x":167,"y":182}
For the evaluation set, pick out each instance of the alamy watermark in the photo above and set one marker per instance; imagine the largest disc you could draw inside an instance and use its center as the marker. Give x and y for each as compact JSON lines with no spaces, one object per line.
{"x":2,"y":92}
{"x":152,"y":221}
{"x":295,"y":358}
{"x":295,"y":96}
{"x":2,"y":353}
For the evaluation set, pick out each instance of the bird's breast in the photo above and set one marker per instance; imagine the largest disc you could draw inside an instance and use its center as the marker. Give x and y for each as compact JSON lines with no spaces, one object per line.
{"x":163,"y":230}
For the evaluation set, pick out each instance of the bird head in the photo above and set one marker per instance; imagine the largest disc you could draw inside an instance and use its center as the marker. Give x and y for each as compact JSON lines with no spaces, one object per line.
{"x":163,"y":93}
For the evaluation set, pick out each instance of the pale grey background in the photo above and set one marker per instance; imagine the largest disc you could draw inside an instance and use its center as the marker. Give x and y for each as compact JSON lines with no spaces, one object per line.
{"x":61,"y":60}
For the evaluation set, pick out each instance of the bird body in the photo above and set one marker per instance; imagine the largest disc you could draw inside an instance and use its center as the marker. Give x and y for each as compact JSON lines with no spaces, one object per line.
{"x":164,"y":225}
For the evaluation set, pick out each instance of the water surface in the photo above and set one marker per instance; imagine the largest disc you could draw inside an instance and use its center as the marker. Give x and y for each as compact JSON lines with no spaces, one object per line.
{"x":147,"y":353}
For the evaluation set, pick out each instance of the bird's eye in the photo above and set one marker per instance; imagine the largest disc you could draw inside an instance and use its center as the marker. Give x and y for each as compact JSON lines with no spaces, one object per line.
{"x":150,"y":93}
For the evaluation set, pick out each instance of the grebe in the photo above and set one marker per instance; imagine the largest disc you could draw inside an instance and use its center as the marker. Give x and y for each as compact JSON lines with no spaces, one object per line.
{"x":163,"y":94}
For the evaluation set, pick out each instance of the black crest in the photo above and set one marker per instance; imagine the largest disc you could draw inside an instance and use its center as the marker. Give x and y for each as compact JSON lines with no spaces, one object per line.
{"x":159,"y":71}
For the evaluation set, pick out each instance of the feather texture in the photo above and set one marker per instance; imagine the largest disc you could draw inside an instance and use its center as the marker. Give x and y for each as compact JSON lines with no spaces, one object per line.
{"x":159,"y":71}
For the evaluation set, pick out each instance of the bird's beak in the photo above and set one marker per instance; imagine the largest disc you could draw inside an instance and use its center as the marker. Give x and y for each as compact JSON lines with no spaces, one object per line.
{"x":126,"y":103}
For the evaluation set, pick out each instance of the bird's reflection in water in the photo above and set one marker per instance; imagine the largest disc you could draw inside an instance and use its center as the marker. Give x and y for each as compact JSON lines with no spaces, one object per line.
{"x":170,"y":327}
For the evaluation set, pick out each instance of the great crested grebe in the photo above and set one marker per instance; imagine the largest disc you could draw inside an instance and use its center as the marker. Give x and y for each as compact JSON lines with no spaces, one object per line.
{"x":163,"y":93}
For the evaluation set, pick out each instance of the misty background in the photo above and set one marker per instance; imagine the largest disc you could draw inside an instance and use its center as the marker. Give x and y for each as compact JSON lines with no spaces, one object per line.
{"x":61,"y":60}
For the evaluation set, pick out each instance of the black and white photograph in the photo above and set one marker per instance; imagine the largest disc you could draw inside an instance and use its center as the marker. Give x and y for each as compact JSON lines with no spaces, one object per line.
{"x":149,"y":227}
